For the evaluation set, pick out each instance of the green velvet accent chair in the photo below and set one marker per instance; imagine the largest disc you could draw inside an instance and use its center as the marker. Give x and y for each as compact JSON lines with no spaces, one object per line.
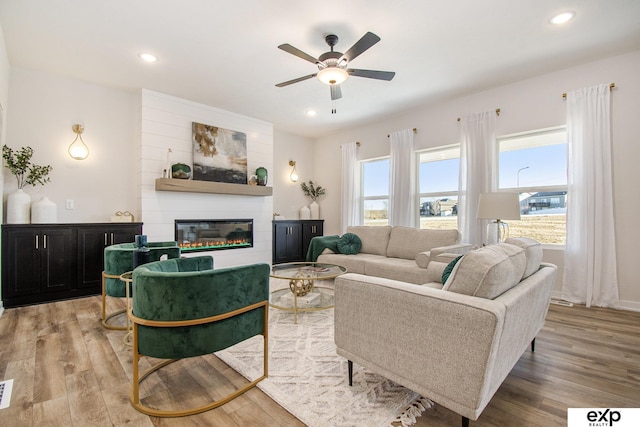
{"x":183,"y":308}
{"x":119,"y":259}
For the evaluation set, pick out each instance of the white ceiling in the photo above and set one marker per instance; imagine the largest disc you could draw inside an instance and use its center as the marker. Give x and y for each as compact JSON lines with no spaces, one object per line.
{"x":224,"y":52}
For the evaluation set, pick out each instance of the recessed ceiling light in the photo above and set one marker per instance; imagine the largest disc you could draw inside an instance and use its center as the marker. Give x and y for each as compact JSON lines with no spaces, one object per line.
{"x":147,"y":57}
{"x":311,"y":113}
{"x":562,"y":18}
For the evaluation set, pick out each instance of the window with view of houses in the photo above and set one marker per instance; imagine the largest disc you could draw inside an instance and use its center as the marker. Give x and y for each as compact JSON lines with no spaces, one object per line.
{"x":534,"y":164}
{"x":438,"y":187}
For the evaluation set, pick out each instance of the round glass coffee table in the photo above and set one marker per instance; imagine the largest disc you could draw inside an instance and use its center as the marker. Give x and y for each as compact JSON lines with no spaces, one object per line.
{"x":302,"y":295}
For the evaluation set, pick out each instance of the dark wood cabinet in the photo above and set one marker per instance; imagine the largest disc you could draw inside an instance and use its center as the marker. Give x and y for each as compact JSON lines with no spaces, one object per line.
{"x":92,"y":239}
{"x":48,"y":262}
{"x":291,"y":239}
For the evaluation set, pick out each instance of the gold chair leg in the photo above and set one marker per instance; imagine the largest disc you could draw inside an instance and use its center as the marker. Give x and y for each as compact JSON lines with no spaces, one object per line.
{"x":134,"y":397}
{"x":105,"y":318}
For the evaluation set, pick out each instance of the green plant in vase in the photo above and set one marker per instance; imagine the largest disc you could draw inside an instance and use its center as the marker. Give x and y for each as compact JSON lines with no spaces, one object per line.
{"x":19,"y":164}
{"x":313,"y":191}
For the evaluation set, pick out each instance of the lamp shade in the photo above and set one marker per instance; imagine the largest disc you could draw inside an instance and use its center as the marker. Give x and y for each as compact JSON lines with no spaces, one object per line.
{"x":498,"y":206}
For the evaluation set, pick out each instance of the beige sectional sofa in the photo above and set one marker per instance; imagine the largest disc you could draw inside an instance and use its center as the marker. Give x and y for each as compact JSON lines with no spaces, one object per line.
{"x":453,"y":343}
{"x":400,"y":253}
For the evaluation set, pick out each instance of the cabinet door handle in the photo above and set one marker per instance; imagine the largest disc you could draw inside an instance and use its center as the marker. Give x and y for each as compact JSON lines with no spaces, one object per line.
{"x":112,"y":242}
{"x":37,"y":239}
{"x":44,"y":241}
{"x":105,"y":239}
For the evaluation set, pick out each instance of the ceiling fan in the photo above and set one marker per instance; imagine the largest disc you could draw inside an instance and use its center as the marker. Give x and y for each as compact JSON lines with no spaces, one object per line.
{"x":332,"y":66}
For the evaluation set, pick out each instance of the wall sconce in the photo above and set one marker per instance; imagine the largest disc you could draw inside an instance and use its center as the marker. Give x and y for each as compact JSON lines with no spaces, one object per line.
{"x":294,"y":175}
{"x":78,"y":149}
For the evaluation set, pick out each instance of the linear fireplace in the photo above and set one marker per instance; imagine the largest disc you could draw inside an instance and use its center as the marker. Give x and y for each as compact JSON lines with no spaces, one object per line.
{"x":194,"y":235}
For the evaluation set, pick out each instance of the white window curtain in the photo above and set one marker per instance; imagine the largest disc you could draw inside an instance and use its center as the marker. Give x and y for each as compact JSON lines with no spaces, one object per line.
{"x":350,"y":205}
{"x":478,"y":158}
{"x":402,"y":194}
{"x":590,"y":275}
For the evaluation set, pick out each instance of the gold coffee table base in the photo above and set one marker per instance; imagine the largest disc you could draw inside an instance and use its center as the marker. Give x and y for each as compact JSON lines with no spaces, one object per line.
{"x":302,"y":295}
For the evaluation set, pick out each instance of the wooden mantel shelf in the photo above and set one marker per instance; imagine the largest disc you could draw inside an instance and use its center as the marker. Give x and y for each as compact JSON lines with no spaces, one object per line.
{"x":190,"y":186}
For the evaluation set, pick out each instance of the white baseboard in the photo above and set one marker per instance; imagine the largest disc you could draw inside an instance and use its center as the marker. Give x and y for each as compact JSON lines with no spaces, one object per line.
{"x":624,"y":305}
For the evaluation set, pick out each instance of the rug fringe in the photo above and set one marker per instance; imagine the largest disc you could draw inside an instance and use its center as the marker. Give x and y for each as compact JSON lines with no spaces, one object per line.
{"x":415,"y":409}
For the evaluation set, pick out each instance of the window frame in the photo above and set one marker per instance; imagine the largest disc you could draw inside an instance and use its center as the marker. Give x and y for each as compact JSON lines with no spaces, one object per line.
{"x":436,"y":194}
{"x":363,"y":198}
{"x":533,"y":189}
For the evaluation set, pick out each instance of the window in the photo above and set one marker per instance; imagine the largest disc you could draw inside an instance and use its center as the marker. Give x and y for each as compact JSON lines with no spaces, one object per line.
{"x":375,"y":191}
{"x":438,"y":187}
{"x":534,"y":164}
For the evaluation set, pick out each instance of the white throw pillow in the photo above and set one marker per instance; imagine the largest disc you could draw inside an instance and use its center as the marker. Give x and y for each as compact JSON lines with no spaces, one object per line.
{"x":532,"y":250}
{"x":488,"y":272}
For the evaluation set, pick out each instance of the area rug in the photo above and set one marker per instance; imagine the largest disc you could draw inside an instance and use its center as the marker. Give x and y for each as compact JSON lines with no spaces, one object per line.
{"x":309,"y":379}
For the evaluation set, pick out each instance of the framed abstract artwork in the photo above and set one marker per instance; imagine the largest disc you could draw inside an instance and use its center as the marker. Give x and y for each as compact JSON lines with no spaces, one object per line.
{"x":219,"y":155}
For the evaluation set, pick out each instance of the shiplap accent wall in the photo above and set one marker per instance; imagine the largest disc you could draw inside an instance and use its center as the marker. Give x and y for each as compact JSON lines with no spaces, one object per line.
{"x":166,"y":123}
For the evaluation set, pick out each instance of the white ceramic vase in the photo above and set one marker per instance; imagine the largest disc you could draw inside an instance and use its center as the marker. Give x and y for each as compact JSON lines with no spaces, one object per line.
{"x":315,"y":210}
{"x":44,"y":211}
{"x":305,"y":213}
{"x":18,"y":207}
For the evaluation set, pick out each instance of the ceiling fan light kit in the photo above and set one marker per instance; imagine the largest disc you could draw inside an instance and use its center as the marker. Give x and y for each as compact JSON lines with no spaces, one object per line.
{"x":332,"y":75}
{"x":332,"y":65}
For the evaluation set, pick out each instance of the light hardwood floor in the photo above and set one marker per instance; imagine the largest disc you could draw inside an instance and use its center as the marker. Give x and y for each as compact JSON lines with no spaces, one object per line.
{"x":70,"y":371}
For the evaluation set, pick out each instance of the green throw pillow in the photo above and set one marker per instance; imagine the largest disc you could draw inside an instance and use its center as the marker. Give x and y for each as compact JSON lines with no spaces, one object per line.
{"x":448,"y":269}
{"x":349,"y":244}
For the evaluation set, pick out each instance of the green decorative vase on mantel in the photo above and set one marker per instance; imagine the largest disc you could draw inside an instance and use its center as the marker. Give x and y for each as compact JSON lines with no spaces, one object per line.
{"x":262,"y":175}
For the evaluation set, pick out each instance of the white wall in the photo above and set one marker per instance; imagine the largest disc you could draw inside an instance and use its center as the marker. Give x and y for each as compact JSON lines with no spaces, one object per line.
{"x":43,"y":109}
{"x":287,"y":196}
{"x":526,"y":105}
{"x":166,"y":123}
{"x":4,"y":97}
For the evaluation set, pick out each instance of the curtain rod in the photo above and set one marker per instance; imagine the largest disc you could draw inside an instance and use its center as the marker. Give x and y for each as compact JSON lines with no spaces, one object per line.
{"x":414,"y":131}
{"x":611,"y":86}
{"x":497,"y":113}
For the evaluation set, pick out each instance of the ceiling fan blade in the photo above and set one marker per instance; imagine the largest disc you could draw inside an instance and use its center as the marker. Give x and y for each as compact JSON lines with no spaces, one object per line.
{"x":361,"y":45}
{"x":336,"y":92}
{"x":297,"y":52}
{"x":299,"y":79}
{"x":371,"y":74}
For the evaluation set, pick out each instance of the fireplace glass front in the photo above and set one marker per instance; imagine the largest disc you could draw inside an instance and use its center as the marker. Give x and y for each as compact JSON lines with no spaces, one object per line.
{"x":194,"y":235}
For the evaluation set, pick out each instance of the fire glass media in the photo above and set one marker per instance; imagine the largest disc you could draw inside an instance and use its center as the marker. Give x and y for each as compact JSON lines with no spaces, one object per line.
{"x":194,"y":235}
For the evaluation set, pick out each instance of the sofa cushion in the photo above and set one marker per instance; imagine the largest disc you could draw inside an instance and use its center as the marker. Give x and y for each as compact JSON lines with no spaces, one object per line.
{"x":353,"y":263}
{"x":533,"y":252}
{"x":405,"y":270}
{"x":374,"y":239}
{"x":488,"y":272}
{"x":449,"y":268}
{"x":349,"y":244}
{"x":407,"y":242}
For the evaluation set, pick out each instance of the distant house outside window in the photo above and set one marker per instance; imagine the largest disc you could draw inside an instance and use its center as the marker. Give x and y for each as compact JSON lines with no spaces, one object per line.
{"x":534,"y":164}
{"x":375,"y":191}
{"x":438,"y":187}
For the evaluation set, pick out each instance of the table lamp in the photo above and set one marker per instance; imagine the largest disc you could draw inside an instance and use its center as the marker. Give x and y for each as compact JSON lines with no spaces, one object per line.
{"x":498,"y":207}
